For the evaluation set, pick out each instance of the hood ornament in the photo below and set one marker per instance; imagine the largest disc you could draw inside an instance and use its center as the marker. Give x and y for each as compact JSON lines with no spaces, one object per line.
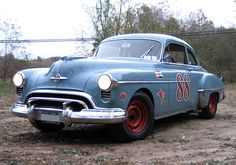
{"x":58,"y":77}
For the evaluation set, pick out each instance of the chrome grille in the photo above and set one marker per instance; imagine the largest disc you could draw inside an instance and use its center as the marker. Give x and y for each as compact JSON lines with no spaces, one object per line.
{"x":59,"y":100}
{"x":19,"y":90}
{"x":106,"y":96}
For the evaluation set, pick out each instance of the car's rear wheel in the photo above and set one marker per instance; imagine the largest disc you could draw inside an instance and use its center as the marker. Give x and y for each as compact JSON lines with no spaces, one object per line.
{"x":47,"y":127}
{"x":210,"y":111}
{"x":139,"y":121}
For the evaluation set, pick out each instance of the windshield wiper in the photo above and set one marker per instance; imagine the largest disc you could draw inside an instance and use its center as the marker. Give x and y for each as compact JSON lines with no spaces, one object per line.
{"x":148,"y":51}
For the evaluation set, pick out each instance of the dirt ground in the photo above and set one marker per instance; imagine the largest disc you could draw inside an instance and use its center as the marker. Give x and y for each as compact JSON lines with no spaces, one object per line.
{"x":182,"y":139}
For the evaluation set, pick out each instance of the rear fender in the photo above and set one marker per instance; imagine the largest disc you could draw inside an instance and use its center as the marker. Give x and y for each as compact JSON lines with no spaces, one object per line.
{"x":210,"y":84}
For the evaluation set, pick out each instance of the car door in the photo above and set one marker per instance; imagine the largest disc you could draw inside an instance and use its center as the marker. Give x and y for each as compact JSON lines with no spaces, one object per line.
{"x":195,"y":72}
{"x":178,"y":78}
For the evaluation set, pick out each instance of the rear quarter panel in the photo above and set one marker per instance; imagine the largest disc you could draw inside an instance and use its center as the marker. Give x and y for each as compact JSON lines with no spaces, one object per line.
{"x":209,"y":84}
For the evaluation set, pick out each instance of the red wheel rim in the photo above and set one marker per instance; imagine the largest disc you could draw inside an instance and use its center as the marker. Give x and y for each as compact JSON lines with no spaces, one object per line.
{"x":212,"y":104}
{"x":137,"y":117}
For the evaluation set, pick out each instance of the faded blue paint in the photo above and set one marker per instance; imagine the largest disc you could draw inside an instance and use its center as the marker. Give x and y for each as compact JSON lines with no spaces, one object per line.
{"x":133,"y":75}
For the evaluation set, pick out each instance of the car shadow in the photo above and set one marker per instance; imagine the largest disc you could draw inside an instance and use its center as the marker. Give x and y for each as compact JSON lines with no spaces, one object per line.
{"x":94,"y":134}
{"x":82,"y":134}
{"x":173,"y":121}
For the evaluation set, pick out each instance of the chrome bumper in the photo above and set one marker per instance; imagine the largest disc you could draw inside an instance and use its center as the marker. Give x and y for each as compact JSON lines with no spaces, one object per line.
{"x":68,"y":117}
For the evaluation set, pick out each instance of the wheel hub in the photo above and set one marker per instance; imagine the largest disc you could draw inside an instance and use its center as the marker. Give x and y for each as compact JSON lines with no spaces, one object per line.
{"x":137,"y":117}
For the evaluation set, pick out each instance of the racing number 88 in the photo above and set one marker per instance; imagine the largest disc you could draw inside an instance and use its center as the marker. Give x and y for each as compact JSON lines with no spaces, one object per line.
{"x":183,"y":87}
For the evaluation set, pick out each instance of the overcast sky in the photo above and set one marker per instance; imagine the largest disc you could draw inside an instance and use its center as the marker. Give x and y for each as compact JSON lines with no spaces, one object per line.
{"x":68,"y":18}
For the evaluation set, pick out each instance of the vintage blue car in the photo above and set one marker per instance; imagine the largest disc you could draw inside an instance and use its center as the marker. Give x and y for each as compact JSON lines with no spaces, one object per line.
{"x":130,"y":81}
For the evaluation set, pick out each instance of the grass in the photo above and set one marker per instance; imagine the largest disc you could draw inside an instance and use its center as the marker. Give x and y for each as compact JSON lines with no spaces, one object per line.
{"x":6,"y":86}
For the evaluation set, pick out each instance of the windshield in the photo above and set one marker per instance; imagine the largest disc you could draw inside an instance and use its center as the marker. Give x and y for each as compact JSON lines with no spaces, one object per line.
{"x":146,"y":49}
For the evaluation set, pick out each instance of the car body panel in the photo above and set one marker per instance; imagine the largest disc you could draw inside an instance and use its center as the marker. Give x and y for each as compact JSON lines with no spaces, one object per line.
{"x":173,"y":87}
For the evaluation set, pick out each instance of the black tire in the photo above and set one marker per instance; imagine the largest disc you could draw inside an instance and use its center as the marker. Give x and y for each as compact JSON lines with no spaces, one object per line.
{"x":139,"y":122}
{"x":210,"y":111}
{"x":47,"y":127}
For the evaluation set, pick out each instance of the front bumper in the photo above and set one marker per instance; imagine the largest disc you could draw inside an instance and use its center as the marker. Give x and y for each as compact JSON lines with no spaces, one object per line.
{"x":68,"y":117}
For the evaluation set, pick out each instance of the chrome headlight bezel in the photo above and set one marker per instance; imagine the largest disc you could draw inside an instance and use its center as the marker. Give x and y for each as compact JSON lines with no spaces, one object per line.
{"x":19,"y":79}
{"x":105,"y":82}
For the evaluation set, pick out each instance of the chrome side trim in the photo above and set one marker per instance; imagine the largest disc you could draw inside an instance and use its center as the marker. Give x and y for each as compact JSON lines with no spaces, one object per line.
{"x":211,"y":90}
{"x":148,"y":82}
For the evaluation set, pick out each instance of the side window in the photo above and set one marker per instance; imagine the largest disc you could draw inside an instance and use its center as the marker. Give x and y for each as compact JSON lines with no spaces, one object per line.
{"x":176,"y":54}
{"x":191,"y":58}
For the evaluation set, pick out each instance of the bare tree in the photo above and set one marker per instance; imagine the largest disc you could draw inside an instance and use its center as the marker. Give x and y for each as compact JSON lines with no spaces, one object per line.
{"x":101,"y":18}
{"x":107,"y":18}
{"x":10,"y":50}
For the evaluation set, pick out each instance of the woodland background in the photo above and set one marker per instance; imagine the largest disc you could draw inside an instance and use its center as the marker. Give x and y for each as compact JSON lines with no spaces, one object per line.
{"x":215,"y":46}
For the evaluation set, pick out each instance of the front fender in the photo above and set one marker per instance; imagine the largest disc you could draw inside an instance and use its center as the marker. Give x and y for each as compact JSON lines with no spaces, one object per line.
{"x":126,"y":89}
{"x":31,"y":78}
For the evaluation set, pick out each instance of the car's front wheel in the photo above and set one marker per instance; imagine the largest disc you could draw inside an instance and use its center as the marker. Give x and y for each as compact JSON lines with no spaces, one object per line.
{"x":139,"y":121}
{"x":47,"y":127}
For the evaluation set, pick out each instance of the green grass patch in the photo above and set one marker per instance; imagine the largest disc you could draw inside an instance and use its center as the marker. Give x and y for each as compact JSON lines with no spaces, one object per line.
{"x":6,"y":86}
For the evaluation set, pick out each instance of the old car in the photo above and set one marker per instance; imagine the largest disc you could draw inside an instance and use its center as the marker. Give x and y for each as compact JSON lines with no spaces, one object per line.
{"x":130,"y":81}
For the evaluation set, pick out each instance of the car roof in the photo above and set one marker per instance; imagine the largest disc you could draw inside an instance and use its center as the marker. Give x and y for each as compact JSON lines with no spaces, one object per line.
{"x":162,"y":38}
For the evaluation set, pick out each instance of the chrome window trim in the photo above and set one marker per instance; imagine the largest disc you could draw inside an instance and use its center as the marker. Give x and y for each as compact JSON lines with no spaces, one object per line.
{"x":154,"y":40}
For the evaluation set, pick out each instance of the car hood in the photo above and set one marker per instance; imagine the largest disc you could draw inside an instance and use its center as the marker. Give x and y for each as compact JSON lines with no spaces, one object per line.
{"x":73,"y":73}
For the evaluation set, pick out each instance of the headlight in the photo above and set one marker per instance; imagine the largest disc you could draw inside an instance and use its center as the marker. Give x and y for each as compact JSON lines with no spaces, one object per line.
{"x":105,"y":82}
{"x":19,"y":79}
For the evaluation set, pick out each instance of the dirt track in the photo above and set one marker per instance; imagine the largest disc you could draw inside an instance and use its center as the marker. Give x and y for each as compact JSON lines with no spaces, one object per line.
{"x":183,"y":139}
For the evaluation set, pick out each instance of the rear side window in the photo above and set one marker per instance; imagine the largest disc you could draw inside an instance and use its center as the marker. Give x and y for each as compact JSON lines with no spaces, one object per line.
{"x":175,"y":53}
{"x":191,"y":58}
